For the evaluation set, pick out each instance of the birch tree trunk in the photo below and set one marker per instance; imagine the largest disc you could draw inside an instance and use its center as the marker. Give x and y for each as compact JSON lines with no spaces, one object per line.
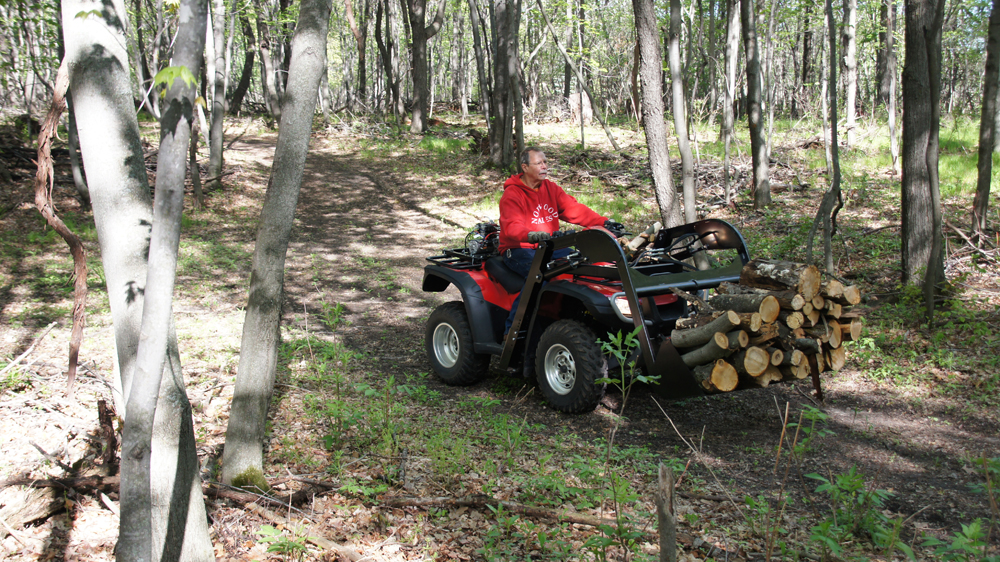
{"x":680,"y":119}
{"x":261,"y":330}
{"x":175,"y":528}
{"x":728,"y":120}
{"x":647,"y":32}
{"x":137,"y":538}
{"x":850,"y":68}
{"x":219,"y":95}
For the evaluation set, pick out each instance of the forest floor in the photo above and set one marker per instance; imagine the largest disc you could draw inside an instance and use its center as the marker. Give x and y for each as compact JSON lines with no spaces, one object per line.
{"x":407,"y":464}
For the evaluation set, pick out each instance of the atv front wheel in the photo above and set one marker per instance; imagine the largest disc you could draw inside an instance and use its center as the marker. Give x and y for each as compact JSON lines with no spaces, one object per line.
{"x":568,"y":363}
{"x":448,"y":338}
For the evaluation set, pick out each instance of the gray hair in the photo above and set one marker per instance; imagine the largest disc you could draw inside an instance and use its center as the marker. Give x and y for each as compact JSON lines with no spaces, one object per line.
{"x":526,"y":155}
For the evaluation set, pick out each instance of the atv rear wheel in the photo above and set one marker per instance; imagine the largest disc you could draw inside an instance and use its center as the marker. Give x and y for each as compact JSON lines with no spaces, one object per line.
{"x":448,"y":339}
{"x":568,"y":363}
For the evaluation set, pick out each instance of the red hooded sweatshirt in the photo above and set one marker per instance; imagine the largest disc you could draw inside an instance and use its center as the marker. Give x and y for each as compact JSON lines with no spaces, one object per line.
{"x":524,"y":210}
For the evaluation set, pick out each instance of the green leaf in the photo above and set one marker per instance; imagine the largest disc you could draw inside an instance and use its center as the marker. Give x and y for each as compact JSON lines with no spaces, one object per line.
{"x":86,"y":14}
{"x":168,"y":75}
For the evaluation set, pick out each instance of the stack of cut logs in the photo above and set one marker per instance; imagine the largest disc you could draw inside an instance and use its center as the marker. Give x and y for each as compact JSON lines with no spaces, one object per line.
{"x":774,"y":325}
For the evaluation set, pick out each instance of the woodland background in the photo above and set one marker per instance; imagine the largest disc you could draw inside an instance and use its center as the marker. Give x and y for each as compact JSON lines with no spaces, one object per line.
{"x":414,"y":113}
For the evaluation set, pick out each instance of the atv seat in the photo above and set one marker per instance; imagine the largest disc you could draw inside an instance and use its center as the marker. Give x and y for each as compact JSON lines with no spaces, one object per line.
{"x":510,"y":280}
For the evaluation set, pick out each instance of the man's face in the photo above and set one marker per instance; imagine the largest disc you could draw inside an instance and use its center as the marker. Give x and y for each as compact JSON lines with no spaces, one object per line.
{"x":536,"y":170}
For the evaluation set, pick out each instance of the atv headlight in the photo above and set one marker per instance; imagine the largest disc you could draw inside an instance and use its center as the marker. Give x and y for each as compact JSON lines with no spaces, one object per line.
{"x":621,"y":303}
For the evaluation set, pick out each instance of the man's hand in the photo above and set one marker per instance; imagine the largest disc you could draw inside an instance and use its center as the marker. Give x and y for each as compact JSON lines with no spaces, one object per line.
{"x":614,"y":226}
{"x":538,"y":236}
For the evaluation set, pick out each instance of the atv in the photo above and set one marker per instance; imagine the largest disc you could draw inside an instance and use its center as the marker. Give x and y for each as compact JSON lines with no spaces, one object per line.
{"x":569,"y":304}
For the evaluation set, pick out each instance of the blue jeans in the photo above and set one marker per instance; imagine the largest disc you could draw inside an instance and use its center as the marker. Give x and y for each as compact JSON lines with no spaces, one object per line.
{"x":519,"y":260}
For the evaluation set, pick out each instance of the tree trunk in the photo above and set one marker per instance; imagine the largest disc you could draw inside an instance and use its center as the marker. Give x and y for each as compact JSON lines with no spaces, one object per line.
{"x":832,"y":201}
{"x":136,"y":533}
{"x":267,"y":79}
{"x":806,"y":46}
{"x":244,"y":84}
{"x":885,"y":64}
{"x":219,"y":95}
{"x":761,"y":183}
{"x":647,"y":31}
{"x":850,"y":69}
{"x":921,"y":197}
{"x":484,"y":84}
{"x":680,"y":118}
{"x":987,"y":123}
{"x":728,"y":120}
{"x":79,"y":180}
{"x":261,"y":329}
{"x":361,"y":38}
{"x":420,"y":35}
{"x":112,"y":152}
{"x":385,"y":48}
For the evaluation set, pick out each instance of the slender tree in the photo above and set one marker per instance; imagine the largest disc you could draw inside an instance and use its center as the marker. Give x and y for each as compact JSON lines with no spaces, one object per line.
{"x":885,"y":62}
{"x":243,"y":454}
{"x":826,"y":214}
{"x":987,"y":123}
{"x":421,"y":34}
{"x":850,"y":67}
{"x":175,"y":527}
{"x":218,"y":95}
{"x":680,"y":118}
{"x":360,"y":33}
{"x":647,"y":34}
{"x":758,"y":146}
{"x":728,"y":119}
{"x":136,"y":534}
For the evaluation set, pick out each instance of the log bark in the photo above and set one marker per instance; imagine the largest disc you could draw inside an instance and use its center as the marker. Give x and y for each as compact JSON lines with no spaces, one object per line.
{"x":751,"y":361}
{"x":751,"y":322}
{"x":766,"y":305}
{"x":716,"y":348}
{"x":791,"y":358}
{"x":766,"y":333}
{"x":829,"y":333}
{"x":719,"y":376}
{"x":666,"y":524}
{"x":782,"y":275}
{"x":795,"y":372}
{"x":788,"y":300}
{"x":692,"y":337}
{"x":806,"y":345}
{"x":697,"y":321}
{"x":21,"y":506}
{"x":738,"y":339}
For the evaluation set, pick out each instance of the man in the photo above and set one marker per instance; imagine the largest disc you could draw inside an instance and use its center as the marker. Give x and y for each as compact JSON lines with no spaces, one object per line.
{"x":530,"y":210}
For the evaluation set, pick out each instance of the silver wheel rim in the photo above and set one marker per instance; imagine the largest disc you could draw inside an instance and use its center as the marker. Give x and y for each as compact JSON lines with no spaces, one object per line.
{"x":446,"y":345}
{"x":560,"y":369}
